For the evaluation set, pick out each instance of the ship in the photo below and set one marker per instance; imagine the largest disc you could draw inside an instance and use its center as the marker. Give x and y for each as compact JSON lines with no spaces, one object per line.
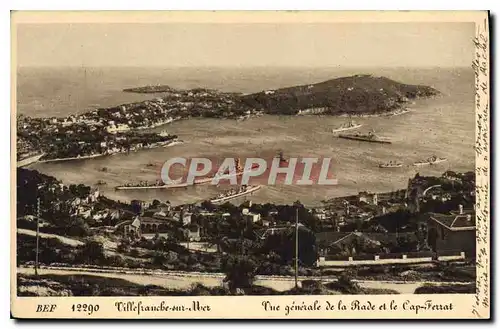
{"x":347,"y":126}
{"x":162,"y":185}
{"x":430,"y":161}
{"x":370,"y":137}
{"x":29,"y":159}
{"x":158,"y":185}
{"x":243,"y":190}
{"x":391,"y":164}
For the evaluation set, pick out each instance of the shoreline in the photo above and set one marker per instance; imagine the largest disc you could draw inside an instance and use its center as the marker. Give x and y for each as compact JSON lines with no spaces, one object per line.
{"x":377,"y":115}
{"x":177,"y":142}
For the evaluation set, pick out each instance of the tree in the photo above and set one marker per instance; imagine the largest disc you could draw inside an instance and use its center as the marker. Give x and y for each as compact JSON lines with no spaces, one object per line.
{"x":159,"y":258}
{"x":92,"y":253}
{"x":123,"y":246}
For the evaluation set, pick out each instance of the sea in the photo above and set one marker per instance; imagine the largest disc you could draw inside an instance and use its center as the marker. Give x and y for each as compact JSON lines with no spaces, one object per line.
{"x":442,"y":126}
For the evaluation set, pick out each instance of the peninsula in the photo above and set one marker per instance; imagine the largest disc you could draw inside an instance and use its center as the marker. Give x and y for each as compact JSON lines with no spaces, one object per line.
{"x":361,"y":94}
{"x":355,"y":95}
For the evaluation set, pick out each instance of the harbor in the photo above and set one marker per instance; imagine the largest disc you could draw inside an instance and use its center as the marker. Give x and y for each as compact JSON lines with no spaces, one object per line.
{"x":356,"y":164}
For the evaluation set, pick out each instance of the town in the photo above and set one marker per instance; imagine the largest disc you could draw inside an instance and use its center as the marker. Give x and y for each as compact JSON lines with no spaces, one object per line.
{"x":119,"y":129}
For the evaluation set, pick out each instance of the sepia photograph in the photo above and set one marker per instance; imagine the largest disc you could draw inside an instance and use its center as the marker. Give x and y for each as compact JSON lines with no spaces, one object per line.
{"x":225,"y":155}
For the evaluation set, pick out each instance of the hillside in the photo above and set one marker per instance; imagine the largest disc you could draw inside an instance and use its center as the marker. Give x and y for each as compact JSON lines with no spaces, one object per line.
{"x":358,"y":94}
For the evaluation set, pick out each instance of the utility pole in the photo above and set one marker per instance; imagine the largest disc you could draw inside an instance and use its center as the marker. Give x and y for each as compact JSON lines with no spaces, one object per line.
{"x":38,"y":213}
{"x":296,"y":247}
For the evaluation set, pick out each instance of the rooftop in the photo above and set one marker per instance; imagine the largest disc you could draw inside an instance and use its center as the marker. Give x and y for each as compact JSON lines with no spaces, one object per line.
{"x":456,"y":221}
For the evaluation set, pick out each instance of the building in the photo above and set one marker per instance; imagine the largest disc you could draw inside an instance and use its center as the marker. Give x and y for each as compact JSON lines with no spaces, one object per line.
{"x":454,"y":232}
{"x":113,"y":129}
{"x":143,"y":227}
{"x":349,"y":243}
{"x":139,"y":206}
{"x":194,"y":233}
{"x":155,"y":236}
{"x":272,"y":230}
{"x":182,"y":217}
{"x":132,"y":228}
{"x":370,"y":198}
{"x":266,"y":222}
{"x":249,"y":216}
{"x":319,"y":214}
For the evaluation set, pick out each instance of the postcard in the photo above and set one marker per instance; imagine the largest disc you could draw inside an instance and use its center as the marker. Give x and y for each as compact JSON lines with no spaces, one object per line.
{"x":250,"y":165}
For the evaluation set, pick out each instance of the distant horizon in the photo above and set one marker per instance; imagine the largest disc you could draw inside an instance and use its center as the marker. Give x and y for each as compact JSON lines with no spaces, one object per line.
{"x":246,"y":67}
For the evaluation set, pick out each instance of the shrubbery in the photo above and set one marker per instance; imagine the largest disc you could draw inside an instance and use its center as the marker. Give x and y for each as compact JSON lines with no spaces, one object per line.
{"x":447,"y":289}
{"x":240,"y":272}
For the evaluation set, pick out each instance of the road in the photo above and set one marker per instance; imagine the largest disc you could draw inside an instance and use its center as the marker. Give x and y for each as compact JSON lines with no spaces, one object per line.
{"x":183,"y":280}
{"x":65,"y":240}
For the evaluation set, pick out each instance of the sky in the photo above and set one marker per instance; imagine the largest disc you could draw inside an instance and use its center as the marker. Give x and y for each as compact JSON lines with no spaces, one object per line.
{"x":246,"y":45}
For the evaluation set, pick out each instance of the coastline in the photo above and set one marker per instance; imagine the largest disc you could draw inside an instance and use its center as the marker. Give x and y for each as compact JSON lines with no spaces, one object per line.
{"x":377,"y":115}
{"x":29,"y":160}
{"x":73,"y":158}
{"x":159,"y":124}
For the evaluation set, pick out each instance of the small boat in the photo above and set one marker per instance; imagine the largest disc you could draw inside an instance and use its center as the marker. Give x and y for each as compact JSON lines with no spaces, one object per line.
{"x":400,"y":112}
{"x":430,"y":161}
{"x":391,"y":164}
{"x":101,"y":182}
{"x":347,"y":126}
{"x":235,"y":194}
